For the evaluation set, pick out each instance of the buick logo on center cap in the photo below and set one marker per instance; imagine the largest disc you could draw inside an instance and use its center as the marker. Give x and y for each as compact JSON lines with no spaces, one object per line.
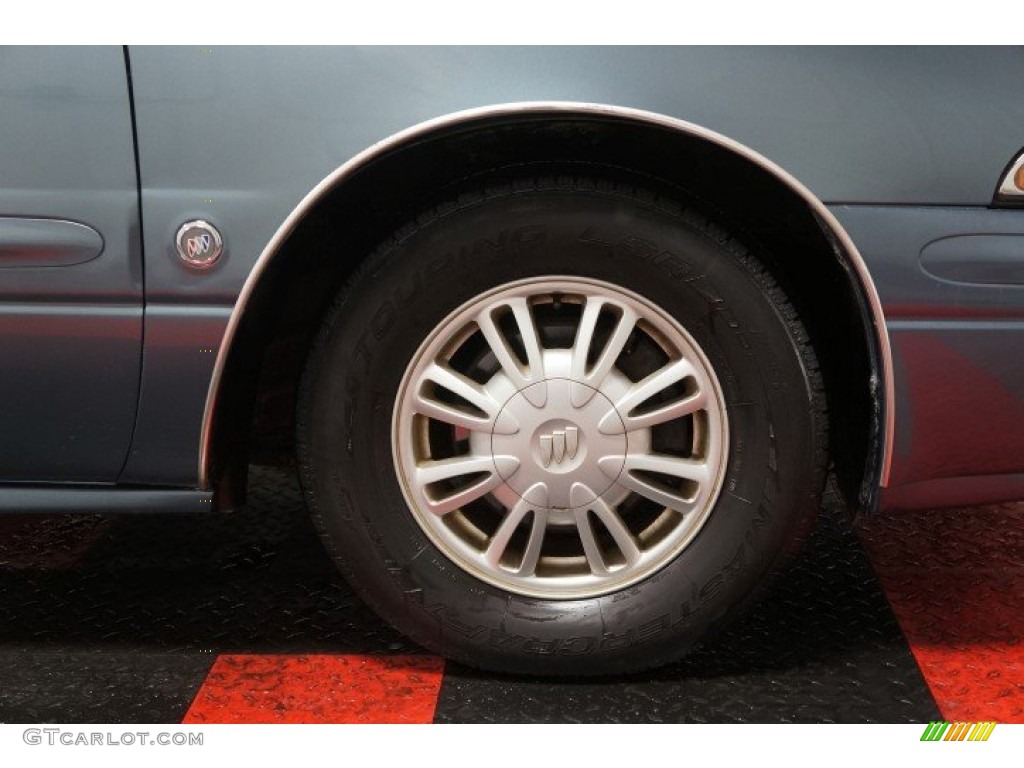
{"x":199,"y":244}
{"x":559,"y":444}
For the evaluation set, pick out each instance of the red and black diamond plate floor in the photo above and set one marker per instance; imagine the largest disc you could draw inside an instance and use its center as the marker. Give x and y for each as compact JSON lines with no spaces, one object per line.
{"x":241,"y":618}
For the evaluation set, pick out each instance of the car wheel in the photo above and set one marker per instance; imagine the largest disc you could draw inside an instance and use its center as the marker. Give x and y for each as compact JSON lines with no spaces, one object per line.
{"x":561,"y":426}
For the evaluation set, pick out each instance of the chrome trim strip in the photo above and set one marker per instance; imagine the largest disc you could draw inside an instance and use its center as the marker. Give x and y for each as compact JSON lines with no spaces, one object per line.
{"x":580,"y":108}
{"x":1007,"y":185}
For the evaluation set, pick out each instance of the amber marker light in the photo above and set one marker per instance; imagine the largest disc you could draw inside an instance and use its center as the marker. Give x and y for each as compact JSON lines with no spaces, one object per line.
{"x":1018,"y":179}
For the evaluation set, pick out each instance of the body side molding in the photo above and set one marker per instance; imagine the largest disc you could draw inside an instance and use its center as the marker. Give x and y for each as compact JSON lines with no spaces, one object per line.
{"x":832,"y":228}
{"x":88,"y":499}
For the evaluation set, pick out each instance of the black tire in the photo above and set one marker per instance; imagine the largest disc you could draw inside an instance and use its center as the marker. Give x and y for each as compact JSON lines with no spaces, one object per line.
{"x":675,"y":258}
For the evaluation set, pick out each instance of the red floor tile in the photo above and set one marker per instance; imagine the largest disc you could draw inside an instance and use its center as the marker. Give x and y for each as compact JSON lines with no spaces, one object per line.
{"x":319,"y":689}
{"x":955,"y":580}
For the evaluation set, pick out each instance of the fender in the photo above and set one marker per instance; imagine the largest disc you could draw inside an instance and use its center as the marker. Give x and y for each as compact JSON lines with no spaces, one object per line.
{"x":840,"y":239}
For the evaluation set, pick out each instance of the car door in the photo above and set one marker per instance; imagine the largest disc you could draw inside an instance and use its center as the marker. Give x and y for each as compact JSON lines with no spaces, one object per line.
{"x":70,"y":265}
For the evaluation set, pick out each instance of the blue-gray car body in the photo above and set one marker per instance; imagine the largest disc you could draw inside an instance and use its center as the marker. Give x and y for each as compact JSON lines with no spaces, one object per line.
{"x":127,"y":374}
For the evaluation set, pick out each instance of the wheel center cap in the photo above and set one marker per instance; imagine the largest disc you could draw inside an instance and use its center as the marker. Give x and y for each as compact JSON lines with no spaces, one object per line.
{"x":572,"y":462}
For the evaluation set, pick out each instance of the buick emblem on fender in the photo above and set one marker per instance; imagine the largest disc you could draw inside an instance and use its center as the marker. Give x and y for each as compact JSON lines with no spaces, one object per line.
{"x":560,"y":444}
{"x":199,"y":244}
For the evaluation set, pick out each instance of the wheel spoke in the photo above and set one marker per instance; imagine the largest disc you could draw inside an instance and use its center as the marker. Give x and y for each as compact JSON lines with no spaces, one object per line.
{"x":502,"y":350}
{"x":585,"y":338}
{"x":530,"y":337}
{"x":528,"y":334}
{"x":499,"y":541}
{"x":449,"y":414}
{"x":469,"y":391}
{"x":656,"y":493}
{"x":644,"y":390}
{"x":461,"y":466}
{"x":581,"y":498}
{"x":591,"y":549}
{"x":617,"y":528}
{"x":501,"y":538}
{"x":521,"y":377}
{"x":536,"y":541}
{"x":613,"y":423}
{"x":686,"y":469}
{"x":594,"y":377}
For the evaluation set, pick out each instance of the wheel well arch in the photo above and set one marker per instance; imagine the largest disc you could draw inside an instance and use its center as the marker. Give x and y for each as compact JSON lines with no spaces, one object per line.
{"x":323,"y":241}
